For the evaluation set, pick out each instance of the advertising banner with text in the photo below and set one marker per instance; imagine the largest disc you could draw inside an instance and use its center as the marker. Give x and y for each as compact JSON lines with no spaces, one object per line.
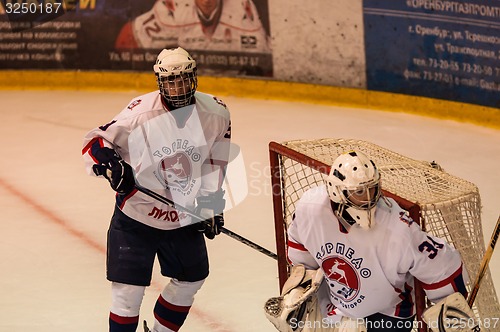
{"x":226,"y":37}
{"x":434,"y":48}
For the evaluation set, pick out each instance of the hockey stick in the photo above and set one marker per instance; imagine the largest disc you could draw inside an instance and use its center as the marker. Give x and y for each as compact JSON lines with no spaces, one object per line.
{"x":224,"y":230}
{"x":484,"y":263}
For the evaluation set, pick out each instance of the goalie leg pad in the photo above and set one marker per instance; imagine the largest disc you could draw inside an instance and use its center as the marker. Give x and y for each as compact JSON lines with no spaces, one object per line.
{"x":308,"y":318}
{"x":452,"y":314}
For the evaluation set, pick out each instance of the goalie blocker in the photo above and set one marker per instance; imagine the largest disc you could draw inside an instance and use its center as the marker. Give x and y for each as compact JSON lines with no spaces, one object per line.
{"x":297,"y":309}
{"x":452,"y":314}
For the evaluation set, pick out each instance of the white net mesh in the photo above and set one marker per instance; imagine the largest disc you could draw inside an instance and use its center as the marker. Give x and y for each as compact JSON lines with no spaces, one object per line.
{"x":450,"y":207}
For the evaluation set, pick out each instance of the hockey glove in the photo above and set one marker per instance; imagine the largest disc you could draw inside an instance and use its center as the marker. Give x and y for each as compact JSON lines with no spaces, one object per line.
{"x":451,"y":314}
{"x":296,"y":300}
{"x":211,"y":209}
{"x":116,"y":171}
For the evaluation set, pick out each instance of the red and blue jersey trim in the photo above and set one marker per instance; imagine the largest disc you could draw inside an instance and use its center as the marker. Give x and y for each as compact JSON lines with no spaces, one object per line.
{"x":456,"y":280}
{"x":92,"y":147}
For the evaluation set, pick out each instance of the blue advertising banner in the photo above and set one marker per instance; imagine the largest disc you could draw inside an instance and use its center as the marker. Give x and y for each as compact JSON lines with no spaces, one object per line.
{"x":434,"y":48}
{"x":226,"y":37}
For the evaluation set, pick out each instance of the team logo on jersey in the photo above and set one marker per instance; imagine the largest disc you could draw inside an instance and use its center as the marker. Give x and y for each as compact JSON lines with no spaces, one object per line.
{"x":342,"y":277}
{"x":220,"y":102}
{"x":176,"y":171}
{"x":134,"y":104}
{"x":404,"y":217}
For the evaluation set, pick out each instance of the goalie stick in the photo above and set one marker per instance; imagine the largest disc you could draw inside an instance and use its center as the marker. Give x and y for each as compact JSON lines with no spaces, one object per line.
{"x":224,"y":230}
{"x":484,"y":263}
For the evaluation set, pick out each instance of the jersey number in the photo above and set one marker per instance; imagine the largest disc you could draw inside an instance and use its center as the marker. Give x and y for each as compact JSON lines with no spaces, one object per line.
{"x":106,"y":126}
{"x":431,"y":247}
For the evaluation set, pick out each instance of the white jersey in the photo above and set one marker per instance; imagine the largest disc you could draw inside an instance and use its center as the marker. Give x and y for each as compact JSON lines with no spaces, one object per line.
{"x":372,"y":270}
{"x":235,"y":27}
{"x":179,"y":154}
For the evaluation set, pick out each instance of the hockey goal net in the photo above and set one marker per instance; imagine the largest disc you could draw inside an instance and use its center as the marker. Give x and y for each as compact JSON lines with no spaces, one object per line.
{"x":444,"y":205}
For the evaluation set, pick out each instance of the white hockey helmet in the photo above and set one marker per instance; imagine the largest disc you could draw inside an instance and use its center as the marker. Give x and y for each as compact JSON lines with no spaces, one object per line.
{"x":354,"y":186}
{"x":176,"y":76}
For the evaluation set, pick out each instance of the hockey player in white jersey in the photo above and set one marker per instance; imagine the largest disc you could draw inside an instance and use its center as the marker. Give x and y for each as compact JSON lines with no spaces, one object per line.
{"x":356,"y":255}
{"x":175,"y":142}
{"x":222,"y":25}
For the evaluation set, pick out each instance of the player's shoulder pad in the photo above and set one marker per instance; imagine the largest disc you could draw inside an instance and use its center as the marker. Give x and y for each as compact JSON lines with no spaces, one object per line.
{"x":211,"y":104}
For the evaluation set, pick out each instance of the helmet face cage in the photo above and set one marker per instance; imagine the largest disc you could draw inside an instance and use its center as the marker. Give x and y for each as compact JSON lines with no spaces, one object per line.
{"x":354,"y":183}
{"x":178,"y":90}
{"x":176,"y":76}
{"x":363,"y":197}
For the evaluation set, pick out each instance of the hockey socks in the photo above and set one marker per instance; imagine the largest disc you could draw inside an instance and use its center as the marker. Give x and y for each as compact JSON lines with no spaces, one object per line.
{"x":126,"y":302}
{"x":122,"y":324}
{"x":170,"y":316}
{"x":173,"y":305}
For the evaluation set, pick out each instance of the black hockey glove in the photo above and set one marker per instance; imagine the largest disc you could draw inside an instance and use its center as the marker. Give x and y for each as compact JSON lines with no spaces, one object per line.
{"x":211,"y":208}
{"x":115,"y":170}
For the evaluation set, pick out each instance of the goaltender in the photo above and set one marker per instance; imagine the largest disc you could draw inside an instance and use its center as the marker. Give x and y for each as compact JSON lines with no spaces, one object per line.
{"x":355,"y":256}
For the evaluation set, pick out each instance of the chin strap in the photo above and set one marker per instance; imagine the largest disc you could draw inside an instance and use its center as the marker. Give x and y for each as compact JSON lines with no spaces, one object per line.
{"x":344,"y":218}
{"x":346,"y":214}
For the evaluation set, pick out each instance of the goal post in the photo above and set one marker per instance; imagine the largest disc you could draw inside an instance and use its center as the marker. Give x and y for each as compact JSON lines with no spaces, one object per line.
{"x":444,"y":205}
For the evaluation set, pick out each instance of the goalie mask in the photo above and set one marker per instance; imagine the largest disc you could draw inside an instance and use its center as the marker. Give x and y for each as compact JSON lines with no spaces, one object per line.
{"x":175,"y":72}
{"x":354,"y":188}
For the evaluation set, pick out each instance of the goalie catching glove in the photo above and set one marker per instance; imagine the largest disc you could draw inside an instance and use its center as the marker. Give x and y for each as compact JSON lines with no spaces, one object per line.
{"x":293,"y":304}
{"x":115,"y":170}
{"x":452,"y":314}
{"x":211,"y":208}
